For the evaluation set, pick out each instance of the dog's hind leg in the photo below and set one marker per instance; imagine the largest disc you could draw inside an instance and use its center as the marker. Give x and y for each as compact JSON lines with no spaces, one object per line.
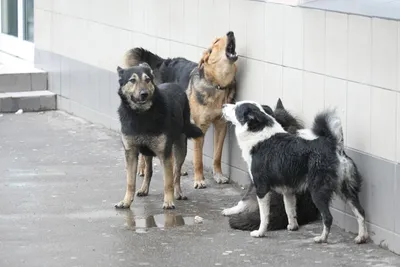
{"x":321,"y":199}
{"x":219,"y":136}
{"x":148,"y":173}
{"x":131,"y":163}
{"x":179,"y":153}
{"x":168,"y":182}
{"x":289,"y":199}
{"x":358,"y":211}
{"x":199,"y":182}
{"x":141,"y":165}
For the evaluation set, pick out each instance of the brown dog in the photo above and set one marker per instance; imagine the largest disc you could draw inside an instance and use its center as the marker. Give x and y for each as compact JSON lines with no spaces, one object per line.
{"x":209,"y":84}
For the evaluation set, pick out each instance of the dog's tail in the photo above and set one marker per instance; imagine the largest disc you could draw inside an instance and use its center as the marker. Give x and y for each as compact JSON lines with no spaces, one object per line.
{"x":328,"y":124}
{"x":192,"y":131}
{"x":135,"y":56}
{"x":249,"y":221}
{"x":245,"y":221}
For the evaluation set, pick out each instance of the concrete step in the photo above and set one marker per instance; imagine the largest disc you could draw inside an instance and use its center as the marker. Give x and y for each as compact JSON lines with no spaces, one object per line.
{"x":28,"y":101}
{"x":17,"y":81}
{"x":17,"y":75}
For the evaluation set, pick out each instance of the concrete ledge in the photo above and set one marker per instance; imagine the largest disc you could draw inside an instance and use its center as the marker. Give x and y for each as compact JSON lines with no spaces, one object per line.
{"x":27,"y":101}
{"x":19,"y":82}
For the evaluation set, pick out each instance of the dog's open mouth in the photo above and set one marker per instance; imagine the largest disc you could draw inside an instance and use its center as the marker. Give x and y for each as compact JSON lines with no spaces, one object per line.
{"x":138,"y":101}
{"x":231,"y":47}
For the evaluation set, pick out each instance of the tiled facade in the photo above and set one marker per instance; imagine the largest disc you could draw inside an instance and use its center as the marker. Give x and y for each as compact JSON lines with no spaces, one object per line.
{"x":310,"y":58}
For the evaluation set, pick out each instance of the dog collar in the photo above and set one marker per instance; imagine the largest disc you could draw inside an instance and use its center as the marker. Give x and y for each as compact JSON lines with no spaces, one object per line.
{"x":221,"y":88}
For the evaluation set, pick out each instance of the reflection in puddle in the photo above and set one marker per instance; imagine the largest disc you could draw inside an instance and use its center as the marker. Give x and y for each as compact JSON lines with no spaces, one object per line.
{"x":165,"y":220}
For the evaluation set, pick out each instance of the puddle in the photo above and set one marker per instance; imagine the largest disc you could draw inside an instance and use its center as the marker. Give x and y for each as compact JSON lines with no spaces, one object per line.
{"x":139,"y":223}
{"x":164,"y":220}
{"x":96,"y":214}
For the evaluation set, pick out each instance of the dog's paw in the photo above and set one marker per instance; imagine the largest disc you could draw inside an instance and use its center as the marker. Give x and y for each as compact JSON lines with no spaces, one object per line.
{"x":361,"y":239}
{"x":140,"y":173}
{"x":229,"y":211}
{"x":123,"y":205}
{"x":180,"y":196}
{"x":293,"y":227}
{"x":184,"y":172}
{"x":220,"y":178}
{"x":168,"y":205}
{"x":200,"y":184}
{"x":320,"y":239}
{"x":142,"y":192}
{"x":226,"y":212}
{"x":257,"y":233}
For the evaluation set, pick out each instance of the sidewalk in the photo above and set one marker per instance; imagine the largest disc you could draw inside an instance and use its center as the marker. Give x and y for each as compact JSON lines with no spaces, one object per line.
{"x":60,"y":178}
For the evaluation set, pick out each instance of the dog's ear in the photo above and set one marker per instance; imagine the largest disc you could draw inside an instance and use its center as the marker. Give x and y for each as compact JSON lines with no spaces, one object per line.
{"x":204,"y":58}
{"x":120,"y":75}
{"x":279,"y":104}
{"x":268,"y":110}
{"x":145,"y":65}
{"x":120,"y":70}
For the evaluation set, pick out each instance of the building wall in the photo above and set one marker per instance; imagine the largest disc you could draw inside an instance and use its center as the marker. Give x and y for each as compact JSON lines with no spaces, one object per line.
{"x":310,"y":58}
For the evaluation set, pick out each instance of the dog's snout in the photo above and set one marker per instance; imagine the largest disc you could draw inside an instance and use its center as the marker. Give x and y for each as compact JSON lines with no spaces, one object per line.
{"x":144,"y":94}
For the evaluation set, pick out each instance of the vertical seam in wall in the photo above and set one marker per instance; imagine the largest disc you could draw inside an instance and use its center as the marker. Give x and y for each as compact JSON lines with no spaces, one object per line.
{"x":283,"y":47}
{"x":170,"y":24}
{"x":325,"y":57}
{"x":370,"y":87}
{"x":324,"y":20}
{"x":396,"y":138}
{"x":324,"y":74}
{"x":396,"y":108}
{"x":347,"y":46}
{"x":347,"y":76}
{"x":345,"y":106}
{"x":396,"y":164}
{"x":303,"y":59}
{"x":283,"y":38}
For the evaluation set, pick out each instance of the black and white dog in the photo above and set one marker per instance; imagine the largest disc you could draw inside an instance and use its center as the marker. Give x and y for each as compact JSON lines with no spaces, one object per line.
{"x":287,"y":163}
{"x":246,"y":214}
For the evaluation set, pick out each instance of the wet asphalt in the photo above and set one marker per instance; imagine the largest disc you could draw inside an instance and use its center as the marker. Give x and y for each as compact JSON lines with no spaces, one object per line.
{"x":60,"y":177}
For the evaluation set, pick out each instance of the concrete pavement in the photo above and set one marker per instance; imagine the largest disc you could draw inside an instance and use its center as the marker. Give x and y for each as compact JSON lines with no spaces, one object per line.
{"x":60,"y":177}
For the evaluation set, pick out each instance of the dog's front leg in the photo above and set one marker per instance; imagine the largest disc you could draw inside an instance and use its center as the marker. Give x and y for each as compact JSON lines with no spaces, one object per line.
{"x":289,"y":200}
{"x":168,"y":183}
{"x":264,"y":204}
{"x":131,"y":163}
{"x":219,"y":137}
{"x":243,"y":204}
